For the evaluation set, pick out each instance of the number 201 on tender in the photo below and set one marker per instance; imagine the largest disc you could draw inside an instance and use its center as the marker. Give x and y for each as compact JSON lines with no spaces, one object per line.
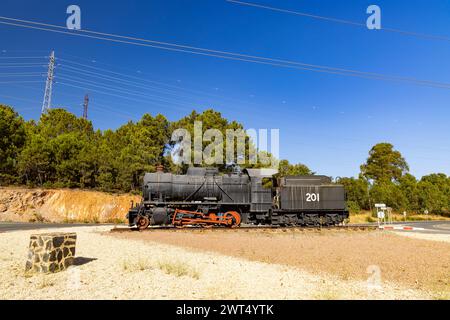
{"x":312,"y":197}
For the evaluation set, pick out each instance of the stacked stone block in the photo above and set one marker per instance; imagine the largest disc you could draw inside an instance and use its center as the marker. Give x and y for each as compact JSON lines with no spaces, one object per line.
{"x":51,"y":252}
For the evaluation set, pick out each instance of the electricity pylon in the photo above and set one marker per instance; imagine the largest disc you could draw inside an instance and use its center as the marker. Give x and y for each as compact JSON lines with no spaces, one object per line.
{"x":85,"y":106}
{"x":49,"y":84}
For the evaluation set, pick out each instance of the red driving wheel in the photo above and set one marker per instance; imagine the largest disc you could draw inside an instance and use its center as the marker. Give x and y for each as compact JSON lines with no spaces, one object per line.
{"x":143,"y":222}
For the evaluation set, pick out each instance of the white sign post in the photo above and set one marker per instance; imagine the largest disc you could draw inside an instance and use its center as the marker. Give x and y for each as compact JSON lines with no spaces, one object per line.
{"x":381,"y":208}
{"x":389,"y":214}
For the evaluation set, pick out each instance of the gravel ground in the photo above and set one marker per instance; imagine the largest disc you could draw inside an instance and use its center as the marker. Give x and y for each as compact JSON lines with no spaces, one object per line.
{"x":426,"y":236}
{"x":415,"y":263}
{"x":119,"y":268}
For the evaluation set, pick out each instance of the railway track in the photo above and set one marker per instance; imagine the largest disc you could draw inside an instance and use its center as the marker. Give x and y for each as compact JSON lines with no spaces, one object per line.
{"x":248,"y":228}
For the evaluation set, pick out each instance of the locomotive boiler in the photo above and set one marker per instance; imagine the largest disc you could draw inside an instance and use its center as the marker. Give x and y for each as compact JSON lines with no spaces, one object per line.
{"x":205,"y":197}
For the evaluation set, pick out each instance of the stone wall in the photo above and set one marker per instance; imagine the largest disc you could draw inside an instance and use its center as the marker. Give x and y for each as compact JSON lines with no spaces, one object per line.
{"x":51,"y":252}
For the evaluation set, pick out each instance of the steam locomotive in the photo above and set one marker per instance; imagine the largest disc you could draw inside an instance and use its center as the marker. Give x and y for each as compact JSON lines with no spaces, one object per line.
{"x":203,"y":197}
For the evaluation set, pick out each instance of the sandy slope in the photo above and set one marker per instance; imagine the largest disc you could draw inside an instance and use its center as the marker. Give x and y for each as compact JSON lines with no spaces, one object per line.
{"x":59,"y":205}
{"x":136,"y":269}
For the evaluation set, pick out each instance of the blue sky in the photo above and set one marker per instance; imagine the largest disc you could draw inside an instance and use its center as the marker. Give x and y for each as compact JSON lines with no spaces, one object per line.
{"x":329,"y":122}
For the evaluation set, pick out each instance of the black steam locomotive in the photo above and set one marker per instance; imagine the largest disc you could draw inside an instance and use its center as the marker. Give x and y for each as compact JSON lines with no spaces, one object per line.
{"x":205,"y":197}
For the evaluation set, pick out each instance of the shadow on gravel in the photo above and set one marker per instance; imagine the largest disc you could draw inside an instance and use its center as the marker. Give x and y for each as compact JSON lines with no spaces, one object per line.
{"x":79,"y":261}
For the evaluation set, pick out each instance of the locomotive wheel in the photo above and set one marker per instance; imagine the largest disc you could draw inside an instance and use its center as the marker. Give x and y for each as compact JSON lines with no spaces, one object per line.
{"x":234,"y":217}
{"x":142,"y":223}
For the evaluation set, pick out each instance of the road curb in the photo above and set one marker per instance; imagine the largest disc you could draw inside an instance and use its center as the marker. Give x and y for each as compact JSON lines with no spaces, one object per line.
{"x":406,"y":228}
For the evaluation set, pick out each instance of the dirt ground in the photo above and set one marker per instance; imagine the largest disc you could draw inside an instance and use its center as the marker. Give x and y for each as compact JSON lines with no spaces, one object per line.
{"x":415,"y":263}
{"x":119,"y":266}
{"x":426,"y":236}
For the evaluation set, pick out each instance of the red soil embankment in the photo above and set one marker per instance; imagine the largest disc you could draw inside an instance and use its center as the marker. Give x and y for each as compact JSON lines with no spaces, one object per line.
{"x":63,"y":205}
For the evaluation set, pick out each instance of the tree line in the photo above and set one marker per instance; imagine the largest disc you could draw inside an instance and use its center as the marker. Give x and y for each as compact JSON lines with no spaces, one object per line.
{"x":63,"y":150}
{"x":384,"y":178}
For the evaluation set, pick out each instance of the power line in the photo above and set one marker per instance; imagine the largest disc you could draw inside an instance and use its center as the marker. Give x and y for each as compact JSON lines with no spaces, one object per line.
{"x":23,"y":57}
{"x":342,"y":21}
{"x":18,"y":98}
{"x":216,"y":100}
{"x":148,"y":45}
{"x":123,"y":92}
{"x":235,"y":56}
{"x":163,"y":91}
{"x":32,"y":66}
{"x":26,"y":76}
{"x":124,"y":75}
{"x":21,"y":74}
{"x":298,"y":13}
{"x":95,"y":104}
{"x":29,"y":87}
{"x":121,"y":113}
{"x":278,"y":62}
{"x":154,"y":82}
{"x":4,"y":82}
{"x":160,"y":98}
{"x":106,"y":93}
{"x":99,"y":106}
{"x":109,"y":65}
{"x":138,"y":81}
{"x":3,"y":51}
{"x":14,"y":64}
{"x":108,"y":78}
{"x":108,"y":86}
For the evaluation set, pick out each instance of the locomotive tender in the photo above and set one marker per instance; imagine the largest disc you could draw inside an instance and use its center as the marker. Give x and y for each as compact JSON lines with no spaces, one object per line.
{"x":205,"y":197}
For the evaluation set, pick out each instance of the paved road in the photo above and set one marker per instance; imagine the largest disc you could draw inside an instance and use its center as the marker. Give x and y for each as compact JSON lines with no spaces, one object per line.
{"x":428,"y":226}
{"x":14,"y":226}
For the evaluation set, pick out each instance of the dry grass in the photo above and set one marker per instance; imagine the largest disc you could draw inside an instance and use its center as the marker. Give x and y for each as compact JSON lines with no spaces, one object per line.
{"x":178,"y":269}
{"x":416,"y":263}
{"x":361,"y":218}
{"x":441,"y":296}
{"x":327,"y":295}
{"x":45,"y":282}
{"x":140,"y":265}
{"x":365,"y":217}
